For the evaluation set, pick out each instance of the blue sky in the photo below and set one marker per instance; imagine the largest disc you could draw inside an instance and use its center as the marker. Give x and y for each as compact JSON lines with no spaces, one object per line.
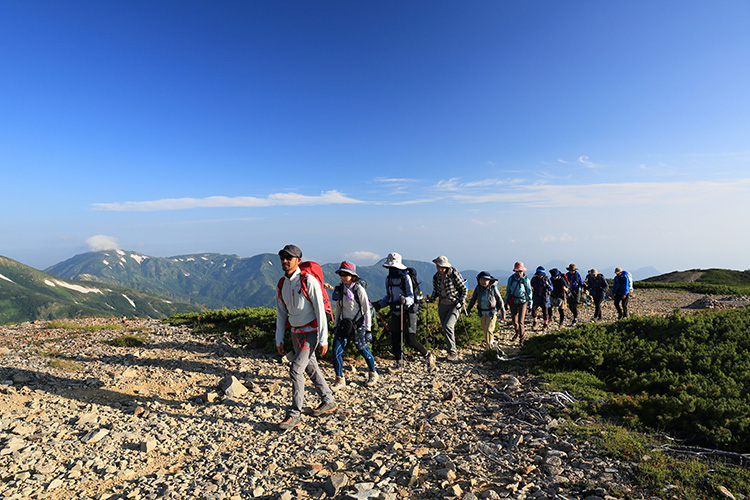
{"x":601,"y":133}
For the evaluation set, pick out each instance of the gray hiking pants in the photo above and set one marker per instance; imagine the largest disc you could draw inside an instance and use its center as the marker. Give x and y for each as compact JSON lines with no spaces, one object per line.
{"x":448,"y":314}
{"x":305,"y":362}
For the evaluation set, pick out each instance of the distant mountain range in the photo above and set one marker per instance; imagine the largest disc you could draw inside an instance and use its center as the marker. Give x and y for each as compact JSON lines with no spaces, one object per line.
{"x":208,"y":279}
{"x":124,"y":283}
{"x":28,"y":294}
{"x":217,"y":280}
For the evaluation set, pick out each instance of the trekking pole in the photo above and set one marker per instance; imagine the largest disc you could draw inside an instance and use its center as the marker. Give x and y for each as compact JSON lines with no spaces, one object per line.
{"x":466,"y":330}
{"x":402,"y":342}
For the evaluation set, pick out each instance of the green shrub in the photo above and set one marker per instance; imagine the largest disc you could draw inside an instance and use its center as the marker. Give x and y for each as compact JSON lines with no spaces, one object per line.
{"x":696,"y":287}
{"x":256,"y":327}
{"x":686,"y":374}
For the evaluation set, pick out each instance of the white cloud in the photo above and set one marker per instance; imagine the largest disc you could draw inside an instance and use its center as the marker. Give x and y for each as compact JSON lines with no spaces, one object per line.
{"x":629,"y":194}
{"x":550,"y":238}
{"x":362,"y":256}
{"x":584,"y":160}
{"x":101,"y":242}
{"x":581,"y":160}
{"x":453,"y":183}
{"x":449,"y":185}
{"x":393,"y":179}
{"x":277,"y":199}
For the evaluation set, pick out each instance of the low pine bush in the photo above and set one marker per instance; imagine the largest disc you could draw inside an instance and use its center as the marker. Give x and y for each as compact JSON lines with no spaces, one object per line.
{"x":685,"y":374}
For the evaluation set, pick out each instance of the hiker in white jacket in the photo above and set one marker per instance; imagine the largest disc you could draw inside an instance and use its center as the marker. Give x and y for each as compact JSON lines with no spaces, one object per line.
{"x":299,"y":307}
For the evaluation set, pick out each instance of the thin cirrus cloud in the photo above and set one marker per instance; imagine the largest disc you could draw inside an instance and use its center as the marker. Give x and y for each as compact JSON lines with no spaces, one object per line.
{"x":582,"y":160}
{"x":603,"y":195}
{"x":277,"y":199}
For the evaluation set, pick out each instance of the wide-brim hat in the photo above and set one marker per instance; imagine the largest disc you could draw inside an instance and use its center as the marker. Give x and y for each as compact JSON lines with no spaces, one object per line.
{"x":540,"y":270}
{"x":518,"y":266}
{"x":442,"y":261}
{"x":572,"y":267}
{"x":484,"y":275}
{"x":394,"y":260}
{"x":618,"y":270}
{"x":291,"y":250}
{"x":347,"y":268}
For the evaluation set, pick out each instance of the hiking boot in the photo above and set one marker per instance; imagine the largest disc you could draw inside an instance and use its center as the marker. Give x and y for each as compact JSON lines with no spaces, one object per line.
{"x":373,"y":379}
{"x":290,"y":422}
{"x":573,"y":323}
{"x":339,"y":384}
{"x":397,"y":366}
{"x":325,"y":409}
{"x":430,"y":359}
{"x":452,"y":356}
{"x":533,"y":325}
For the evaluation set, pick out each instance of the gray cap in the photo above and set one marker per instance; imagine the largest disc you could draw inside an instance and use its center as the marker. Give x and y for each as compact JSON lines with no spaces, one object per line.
{"x":291,"y":250}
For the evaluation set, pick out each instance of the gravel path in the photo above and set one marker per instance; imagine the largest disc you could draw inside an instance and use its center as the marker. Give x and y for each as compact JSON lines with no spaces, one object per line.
{"x":80,"y":418}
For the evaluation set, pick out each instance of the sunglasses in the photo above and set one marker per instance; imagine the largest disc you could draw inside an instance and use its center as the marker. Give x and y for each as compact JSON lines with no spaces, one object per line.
{"x":286,"y":257}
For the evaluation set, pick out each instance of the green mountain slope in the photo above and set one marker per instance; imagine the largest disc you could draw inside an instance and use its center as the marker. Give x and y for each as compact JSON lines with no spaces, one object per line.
{"x":708,"y":276}
{"x":28,"y":294}
{"x":211,"y":280}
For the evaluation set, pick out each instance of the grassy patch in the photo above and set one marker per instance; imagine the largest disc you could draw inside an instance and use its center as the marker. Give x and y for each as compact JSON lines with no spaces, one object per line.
{"x":658,"y":471}
{"x":128,"y":340}
{"x":63,"y":364}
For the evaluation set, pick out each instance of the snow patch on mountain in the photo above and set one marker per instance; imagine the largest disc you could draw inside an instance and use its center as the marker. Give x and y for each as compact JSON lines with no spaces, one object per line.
{"x":138,"y":258}
{"x":70,"y":286}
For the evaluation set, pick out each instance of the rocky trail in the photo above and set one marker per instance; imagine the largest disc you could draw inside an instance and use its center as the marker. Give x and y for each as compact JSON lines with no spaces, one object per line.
{"x":186,"y":416}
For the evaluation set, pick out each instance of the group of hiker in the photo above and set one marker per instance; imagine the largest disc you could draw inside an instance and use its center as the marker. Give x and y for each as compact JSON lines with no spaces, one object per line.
{"x":554,"y":292}
{"x":302,"y":304}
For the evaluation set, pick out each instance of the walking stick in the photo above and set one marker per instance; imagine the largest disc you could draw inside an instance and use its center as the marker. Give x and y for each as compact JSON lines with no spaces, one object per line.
{"x":466,"y":330}
{"x":402,"y":342}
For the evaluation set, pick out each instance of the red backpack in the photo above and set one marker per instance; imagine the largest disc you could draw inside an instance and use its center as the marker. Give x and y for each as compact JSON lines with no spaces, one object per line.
{"x":314,"y":269}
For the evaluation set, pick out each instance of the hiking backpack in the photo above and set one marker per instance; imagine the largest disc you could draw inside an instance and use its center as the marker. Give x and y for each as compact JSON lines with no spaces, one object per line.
{"x":418,"y":297}
{"x":412,"y":274}
{"x":313,"y":269}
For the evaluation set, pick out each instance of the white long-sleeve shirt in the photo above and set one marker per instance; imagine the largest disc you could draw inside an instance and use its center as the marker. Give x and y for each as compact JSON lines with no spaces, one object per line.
{"x":299,"y":311}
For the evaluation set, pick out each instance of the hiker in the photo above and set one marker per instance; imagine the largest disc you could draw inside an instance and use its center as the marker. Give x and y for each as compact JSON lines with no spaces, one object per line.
{"x":596,"y":286}
{"x":558,"y":294}
{"x":575,"y":291}
{"x":541,"y":292}
{"x":490,"y":305}
{"x":353,"y":321}
{"x":518,"y":296}
{"x":399,"y":295}
{"x":621,"y":292}
{"x":300,"y":307}
{"x":450,"y":292}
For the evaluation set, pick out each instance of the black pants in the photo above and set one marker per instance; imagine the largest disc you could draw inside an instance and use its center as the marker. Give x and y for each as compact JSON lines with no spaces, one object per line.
{"x":621,"y":304}
{"x":409,"y":333}
{"x":573,"y":306}
{"x":598,"y":306}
